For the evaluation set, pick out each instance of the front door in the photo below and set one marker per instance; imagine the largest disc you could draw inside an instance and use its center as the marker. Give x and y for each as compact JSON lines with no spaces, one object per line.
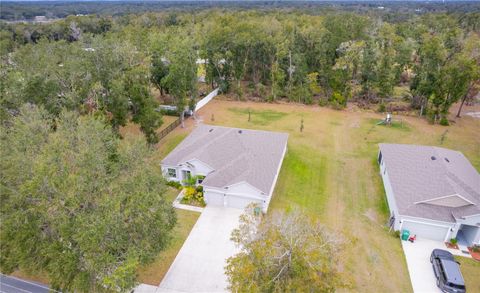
{"x":186,"y":174}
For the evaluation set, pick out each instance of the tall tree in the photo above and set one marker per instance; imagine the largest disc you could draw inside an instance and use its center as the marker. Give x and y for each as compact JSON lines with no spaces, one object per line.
{"x":78,"y":204}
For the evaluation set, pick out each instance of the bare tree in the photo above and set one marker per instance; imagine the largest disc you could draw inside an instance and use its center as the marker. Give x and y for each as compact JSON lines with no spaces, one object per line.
{"x":283,"y":252}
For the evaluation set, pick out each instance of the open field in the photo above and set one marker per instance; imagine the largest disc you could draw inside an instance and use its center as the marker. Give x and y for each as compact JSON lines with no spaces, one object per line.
{"x":330,"y":171}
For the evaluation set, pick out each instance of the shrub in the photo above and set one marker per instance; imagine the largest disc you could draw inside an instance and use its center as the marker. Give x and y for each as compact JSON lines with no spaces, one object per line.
{"x":396,"y":234}
{"x":337,"y":101}
{"x":169,"y":112}
{"x":322,"y":102}
{"x":189,"y":193}
{"x":453,"y":241}
{"x":444,"y":121}
{"x":476,"y":248}
{"x":174,"y":184}
{"x":381,"y":108}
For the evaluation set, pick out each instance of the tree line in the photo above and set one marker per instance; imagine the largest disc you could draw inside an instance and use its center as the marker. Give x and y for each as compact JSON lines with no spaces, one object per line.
{"x":330,"y":58}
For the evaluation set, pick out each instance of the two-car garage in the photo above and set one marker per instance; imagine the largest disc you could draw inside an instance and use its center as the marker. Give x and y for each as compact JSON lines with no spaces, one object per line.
{"x":216,"y":198}
{"x":426,"y":230}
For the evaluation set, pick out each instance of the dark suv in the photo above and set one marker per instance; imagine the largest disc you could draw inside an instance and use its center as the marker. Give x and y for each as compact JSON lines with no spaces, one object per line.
{"x":447,"y":272}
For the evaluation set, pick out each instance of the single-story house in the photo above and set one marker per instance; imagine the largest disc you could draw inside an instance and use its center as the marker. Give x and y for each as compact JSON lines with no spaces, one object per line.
{"x":240,"y":166}
{"x":431,"y":191}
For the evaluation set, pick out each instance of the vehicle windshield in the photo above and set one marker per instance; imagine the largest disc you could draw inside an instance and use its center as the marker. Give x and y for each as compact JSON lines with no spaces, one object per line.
{"x":456,"y":286}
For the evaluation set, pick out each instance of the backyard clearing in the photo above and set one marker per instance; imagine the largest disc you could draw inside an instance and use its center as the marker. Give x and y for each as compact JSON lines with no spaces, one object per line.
{"x":199,"y":265}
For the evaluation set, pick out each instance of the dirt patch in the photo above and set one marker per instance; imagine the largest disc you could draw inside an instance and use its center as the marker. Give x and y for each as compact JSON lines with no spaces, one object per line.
{"x":371,"y":215}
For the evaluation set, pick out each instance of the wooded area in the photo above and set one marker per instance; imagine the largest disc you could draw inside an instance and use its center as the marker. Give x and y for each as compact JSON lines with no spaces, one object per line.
{"x":112,"y":64}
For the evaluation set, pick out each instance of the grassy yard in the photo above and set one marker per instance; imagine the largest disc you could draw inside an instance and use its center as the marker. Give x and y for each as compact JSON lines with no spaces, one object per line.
{"x":330,"y":171}
{"x":471,"y":271}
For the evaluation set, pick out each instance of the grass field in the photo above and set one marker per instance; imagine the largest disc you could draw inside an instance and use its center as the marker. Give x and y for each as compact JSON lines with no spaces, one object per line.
{"x":471,"y":271}
{"x":330,"y":171}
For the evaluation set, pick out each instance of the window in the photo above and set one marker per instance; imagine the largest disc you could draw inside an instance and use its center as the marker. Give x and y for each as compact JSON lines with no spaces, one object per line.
{"x":172,"y":173}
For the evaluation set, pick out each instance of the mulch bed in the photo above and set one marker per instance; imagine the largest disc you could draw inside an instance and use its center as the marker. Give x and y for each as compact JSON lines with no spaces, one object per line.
{"x":475,"y":255}
{"x":450,"y":245}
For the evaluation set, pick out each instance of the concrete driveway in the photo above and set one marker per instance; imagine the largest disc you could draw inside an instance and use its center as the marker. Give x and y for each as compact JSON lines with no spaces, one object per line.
{"x":199,"y":265}
{"x":419,"y":266}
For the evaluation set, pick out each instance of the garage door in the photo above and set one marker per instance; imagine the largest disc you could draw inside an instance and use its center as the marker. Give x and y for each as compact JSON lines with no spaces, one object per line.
{"x":214,"y":198}
{"x":238,"y":201}
{"x":424,"y":230}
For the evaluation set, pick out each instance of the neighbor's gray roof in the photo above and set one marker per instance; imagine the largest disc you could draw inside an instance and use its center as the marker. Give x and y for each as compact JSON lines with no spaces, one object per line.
{"x":415,"y":177}
{"x":252,"y":155}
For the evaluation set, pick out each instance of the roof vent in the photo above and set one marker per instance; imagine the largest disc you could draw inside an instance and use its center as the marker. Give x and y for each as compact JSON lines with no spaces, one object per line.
{"x":447,"y":160}
{"x":210,"y":130}
{"x":433,"y":158}
{"x":240,"y":131}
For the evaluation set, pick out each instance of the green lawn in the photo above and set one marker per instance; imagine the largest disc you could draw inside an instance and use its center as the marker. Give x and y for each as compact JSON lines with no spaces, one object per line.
{"x":153,"y":273}
{"x":471,"y":272}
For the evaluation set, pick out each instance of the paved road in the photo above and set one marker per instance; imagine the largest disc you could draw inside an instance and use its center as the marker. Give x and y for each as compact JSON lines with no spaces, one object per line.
{"x":199,"y":265}
{"x":14,"y":285}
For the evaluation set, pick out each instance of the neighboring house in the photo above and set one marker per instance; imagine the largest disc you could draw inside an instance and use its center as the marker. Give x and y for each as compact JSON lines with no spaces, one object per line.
{"x":433,"y":192}
{"x":240,"y":165}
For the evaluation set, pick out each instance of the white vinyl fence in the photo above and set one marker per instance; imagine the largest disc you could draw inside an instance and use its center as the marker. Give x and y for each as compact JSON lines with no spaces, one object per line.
{"x":207,"y":99}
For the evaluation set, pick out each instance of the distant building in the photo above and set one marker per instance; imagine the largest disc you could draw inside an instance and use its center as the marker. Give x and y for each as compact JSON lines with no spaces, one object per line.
{"x":40,"y":18}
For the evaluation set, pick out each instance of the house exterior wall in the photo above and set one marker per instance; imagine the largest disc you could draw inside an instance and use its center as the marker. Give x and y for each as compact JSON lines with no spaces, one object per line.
{"x":392,"y":205}
{"x":270,"y":193}
{"x":195,"y":167}
{"x":165,"y":173}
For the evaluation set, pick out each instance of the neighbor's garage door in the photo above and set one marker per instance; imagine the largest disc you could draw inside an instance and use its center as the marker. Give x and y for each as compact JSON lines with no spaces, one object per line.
{"x":424,"y":230}
{"x":214,"y":198}
{"x":238,"y":202}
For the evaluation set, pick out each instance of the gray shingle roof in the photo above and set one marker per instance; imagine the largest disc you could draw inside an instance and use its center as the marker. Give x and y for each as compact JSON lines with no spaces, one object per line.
{"x":236,"y":155}
{"x":416,"y":177}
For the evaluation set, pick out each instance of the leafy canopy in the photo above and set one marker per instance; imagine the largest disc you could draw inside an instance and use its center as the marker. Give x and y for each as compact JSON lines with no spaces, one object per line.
{"x":78,"y":204}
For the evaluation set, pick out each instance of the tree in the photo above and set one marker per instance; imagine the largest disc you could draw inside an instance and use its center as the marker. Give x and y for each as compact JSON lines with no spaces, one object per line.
{"x":471,"y":51}
{"x":159,"y":69}
{"x":78,"y":203}
{"x":283,"y":252}
{"x":431,"y":58}
{"x":182,"y":74}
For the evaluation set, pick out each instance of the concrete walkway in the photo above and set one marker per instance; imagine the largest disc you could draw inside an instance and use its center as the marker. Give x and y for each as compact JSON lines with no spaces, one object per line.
{"x":199,"y":265}
{"x":419,"y":266}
